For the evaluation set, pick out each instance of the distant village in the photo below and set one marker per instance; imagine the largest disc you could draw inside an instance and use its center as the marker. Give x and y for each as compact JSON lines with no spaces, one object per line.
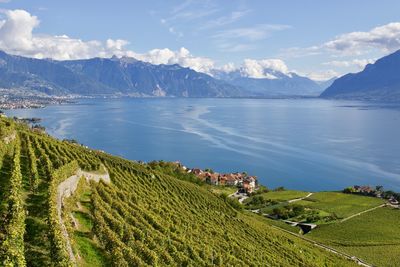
{"x":21,"y":98}
{"x":244,"y":182}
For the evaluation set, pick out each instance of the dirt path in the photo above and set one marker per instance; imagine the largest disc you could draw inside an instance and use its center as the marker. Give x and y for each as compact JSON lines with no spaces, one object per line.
{"x":301,"y":198}
{"x":327,"y":248}
{"x":240,"y":196}
{"x":66,"y":189}
{"x":358,"y":214}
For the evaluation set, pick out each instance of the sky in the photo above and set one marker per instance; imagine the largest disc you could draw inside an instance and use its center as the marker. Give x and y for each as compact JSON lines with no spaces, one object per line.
{"x":317,"y":39}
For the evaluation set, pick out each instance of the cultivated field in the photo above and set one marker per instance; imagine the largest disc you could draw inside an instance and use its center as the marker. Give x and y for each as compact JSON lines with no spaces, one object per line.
{"x":284,"y":195}
{"x":373,"y":236}
{"x":149,"y":215}
{"x":343,"y":205}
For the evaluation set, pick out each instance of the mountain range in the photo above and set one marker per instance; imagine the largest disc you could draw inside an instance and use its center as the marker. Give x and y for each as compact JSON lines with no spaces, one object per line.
{"x":100,"y":76}
{"x":128,"y":76}
{"x":377,"y":82}
{"x":278,"y":84}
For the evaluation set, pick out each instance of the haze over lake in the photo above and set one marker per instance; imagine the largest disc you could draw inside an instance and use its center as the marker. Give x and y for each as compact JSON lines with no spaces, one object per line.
{"x":305,"y":144}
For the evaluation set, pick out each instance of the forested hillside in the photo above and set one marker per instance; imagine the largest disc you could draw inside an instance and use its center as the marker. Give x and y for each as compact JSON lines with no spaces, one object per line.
{"x":146,"y":216}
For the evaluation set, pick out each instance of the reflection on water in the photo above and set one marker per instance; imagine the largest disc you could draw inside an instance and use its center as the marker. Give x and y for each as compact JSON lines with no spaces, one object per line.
{"x":305,"y":144}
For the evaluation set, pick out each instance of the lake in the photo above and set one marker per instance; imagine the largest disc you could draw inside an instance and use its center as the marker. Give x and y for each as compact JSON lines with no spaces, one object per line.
{"x":307,"y":144}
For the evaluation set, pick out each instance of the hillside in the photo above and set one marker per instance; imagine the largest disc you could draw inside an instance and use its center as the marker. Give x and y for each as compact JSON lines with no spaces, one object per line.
{"x":108,"y":76}
{"x":146,"y":214}
{"x":378,"y":82}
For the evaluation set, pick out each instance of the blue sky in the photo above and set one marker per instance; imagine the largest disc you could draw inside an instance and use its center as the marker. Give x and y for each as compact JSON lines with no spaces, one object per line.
{"x":319,"y":39}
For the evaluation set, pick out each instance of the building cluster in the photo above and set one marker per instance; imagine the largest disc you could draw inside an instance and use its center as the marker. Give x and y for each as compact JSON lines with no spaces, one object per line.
{"x":17,"y":99}
{"x":243,"y":181}
{"x":363,"y":189}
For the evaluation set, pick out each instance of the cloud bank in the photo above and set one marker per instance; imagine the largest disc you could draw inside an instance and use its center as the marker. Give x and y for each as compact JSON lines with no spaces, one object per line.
{"x":17,"y":37}
{"x":261,"y":68}
{"x":385,"y":38}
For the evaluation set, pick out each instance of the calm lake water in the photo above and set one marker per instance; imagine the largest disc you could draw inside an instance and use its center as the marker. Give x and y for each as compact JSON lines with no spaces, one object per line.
{"x":301,"y":144}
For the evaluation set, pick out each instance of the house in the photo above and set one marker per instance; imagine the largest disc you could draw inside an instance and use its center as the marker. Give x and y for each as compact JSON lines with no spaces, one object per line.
{"x":366,"y":189}
{"x":249,"y":184}
{"x":196,"y":171}
{"x":231,"y":179}
{"x":222,"y":179}
{"x":244,"y":182}
{"x":210,"y":178}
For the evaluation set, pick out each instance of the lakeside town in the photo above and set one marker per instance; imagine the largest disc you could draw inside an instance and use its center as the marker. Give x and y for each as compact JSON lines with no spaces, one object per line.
{"x":245,"y":183}
{"x":22,"y":98}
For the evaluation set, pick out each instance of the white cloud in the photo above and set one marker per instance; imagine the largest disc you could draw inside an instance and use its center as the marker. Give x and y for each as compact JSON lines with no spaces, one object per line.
{"x":386,"y":38}
{"x":182,"y":57}
{"x":359,"y":63}
{"x":244,"y":38}
{"x":232,"y":47}
{"x":224,"y":20}
{"x":229,"y":67}
{"x":254,"y":33}
{"x":319,"y":75}
{"x":16,"y":37}
{"x":382,"y":39}
{"x":16,"y":30}
{"x":175,"y":32}
{"x":259,"y":68}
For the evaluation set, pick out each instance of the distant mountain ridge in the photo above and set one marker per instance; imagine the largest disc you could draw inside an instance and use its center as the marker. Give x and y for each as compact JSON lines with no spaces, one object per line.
{"x":377,"y":82}
{"x":280,"y":84}
{"x":109,"y":76}
{"x":131,"y":77}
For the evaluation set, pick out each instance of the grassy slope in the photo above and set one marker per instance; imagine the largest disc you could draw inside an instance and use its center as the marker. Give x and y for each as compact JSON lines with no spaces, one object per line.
{"x":343,"y":205}
{"x":149,"y":217}
{"x":373,"y":236}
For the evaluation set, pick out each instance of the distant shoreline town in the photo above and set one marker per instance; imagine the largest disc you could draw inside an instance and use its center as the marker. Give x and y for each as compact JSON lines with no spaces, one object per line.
{"x":30,"y":100}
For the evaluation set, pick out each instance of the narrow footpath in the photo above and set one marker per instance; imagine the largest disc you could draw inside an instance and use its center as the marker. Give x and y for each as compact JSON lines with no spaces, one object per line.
{"x":362,"y":212}
{"x":301,"y":198}
{"x":66,"y":189}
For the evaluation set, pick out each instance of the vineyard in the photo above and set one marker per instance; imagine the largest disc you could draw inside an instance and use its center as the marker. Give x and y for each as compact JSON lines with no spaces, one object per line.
{"x":146,"y":216}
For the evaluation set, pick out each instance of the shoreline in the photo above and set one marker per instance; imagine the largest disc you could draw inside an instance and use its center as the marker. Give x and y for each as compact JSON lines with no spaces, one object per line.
{"x":266,"y":178}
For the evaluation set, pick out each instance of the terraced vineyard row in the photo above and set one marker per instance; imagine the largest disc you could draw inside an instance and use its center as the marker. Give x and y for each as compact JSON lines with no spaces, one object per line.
{"x":144,"y":217}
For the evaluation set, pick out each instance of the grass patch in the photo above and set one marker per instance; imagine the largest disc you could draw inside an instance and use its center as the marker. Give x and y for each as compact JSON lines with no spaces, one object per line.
{"x":373,"y":236}
{"x":343,"y":205}
{"x":85,"y":222}
{"x":90,"y":253}
{"x":266,"y":202}
{"x":284,"y":195}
